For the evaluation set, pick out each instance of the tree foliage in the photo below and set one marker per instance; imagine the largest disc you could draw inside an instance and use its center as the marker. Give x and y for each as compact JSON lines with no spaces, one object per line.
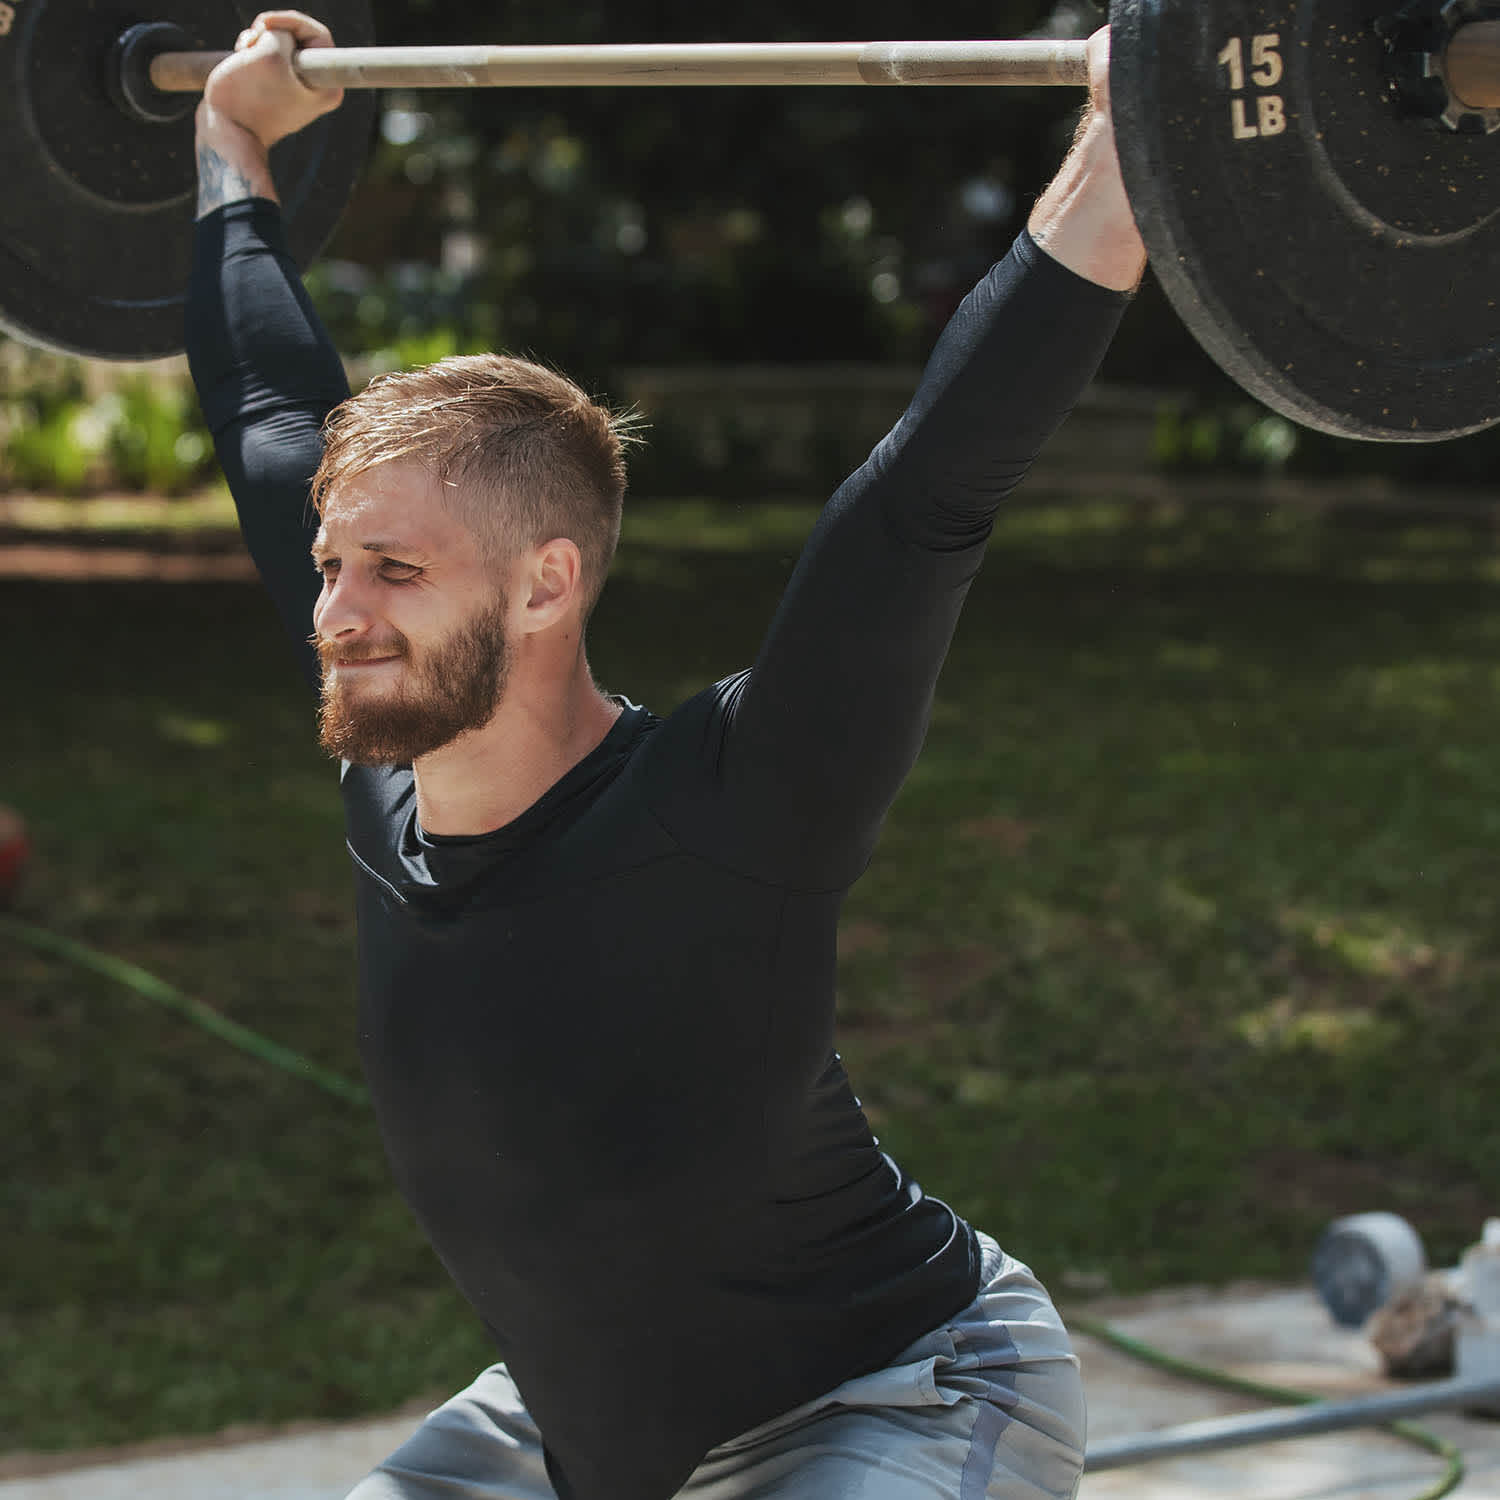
{"x":610,"y":227}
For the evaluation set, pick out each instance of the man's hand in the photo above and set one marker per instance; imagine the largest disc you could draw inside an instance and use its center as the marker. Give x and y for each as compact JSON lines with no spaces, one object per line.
{"x":1084,"y":219}
{"x":255,"y":87}
{"x":253,"y":99}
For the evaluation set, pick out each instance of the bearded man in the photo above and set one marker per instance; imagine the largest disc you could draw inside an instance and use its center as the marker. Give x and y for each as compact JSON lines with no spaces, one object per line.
{"x":597,"y":947}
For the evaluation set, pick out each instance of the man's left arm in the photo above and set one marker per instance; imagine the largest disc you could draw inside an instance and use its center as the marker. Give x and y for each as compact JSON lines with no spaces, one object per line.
{"x":822,"y":731}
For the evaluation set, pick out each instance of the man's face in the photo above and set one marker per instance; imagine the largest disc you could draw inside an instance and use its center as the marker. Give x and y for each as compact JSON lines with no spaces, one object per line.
{"x":410,"y":626}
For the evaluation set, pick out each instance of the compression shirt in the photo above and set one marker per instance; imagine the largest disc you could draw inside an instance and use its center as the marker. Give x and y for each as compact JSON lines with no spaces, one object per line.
{"x":600,"y":1039}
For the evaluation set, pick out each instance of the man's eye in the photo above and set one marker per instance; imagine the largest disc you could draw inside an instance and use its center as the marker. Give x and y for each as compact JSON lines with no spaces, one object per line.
{"x":399,"y":572}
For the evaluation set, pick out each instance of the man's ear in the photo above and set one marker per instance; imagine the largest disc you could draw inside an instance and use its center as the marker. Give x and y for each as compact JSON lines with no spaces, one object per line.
{"x":552,"y":584}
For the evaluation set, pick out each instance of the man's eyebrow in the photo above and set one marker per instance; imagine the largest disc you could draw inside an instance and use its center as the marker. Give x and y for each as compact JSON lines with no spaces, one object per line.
{"x":391,"y":547}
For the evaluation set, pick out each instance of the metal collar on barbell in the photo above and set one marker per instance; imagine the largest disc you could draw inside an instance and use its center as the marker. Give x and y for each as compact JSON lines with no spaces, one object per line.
{"x":127,"y":73}
{"x":1417,"y":40}
{"x":1459,"y":115}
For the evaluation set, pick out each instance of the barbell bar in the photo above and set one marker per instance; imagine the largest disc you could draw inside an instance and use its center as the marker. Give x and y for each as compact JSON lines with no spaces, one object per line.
{"x":1317,"y":181}
{"x":1215,"y":1434}
{"x":1472,"y":65}
{"x":713,"y":64}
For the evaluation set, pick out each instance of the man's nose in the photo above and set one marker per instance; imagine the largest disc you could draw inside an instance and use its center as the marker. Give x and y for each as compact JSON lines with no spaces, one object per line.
{"x":342,"y":610}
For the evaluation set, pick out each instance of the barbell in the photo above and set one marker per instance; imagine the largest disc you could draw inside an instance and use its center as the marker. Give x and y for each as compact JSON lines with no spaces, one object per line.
{"x":705,"y":63}
{"x":1314,"y":179}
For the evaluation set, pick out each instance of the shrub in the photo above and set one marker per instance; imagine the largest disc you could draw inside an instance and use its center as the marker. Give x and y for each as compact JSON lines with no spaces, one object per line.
{"x":67,"y":429}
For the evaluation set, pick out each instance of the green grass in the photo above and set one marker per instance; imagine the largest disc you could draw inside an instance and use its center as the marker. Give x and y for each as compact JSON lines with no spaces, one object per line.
{"x":1180,"y":940}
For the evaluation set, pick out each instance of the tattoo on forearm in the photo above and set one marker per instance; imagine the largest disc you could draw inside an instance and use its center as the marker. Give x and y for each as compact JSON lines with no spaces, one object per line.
{"x":221,"y":182}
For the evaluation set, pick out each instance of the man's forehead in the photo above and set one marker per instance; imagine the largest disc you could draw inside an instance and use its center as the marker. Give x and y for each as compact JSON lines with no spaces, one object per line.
{"x":393,"y":506}
{"x":408,"y":484}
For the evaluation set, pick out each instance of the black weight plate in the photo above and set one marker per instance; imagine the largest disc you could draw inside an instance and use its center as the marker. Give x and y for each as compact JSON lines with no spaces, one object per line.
{"x":96,"y":209}
{"x":1334,"y":256}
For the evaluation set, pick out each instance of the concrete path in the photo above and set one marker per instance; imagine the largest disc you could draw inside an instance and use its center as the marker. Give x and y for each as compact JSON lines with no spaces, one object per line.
{"x":1286,"y":1338}
{"x":1274,"y":1335}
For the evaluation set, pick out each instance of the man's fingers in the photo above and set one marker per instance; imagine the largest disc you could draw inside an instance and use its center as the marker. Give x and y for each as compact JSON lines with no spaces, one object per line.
{"x":1098,"y":54}
{"x":284,"y":42}
{"x":285,"y":31}
{"x":308,"y":31}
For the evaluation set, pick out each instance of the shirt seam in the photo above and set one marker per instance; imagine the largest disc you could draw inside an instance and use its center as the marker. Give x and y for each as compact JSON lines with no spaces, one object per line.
{"x":783,"y":887}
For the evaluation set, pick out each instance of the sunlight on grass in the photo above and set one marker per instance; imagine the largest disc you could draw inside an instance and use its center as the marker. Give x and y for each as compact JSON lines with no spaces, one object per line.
{"x":983,"y":1086}
{"x":1406,"y":568}
{"x":1282,"y":1026}
{"x":1190,"y":656}
{"x":1170,"y":536}
{"x":713,"y":525}
{"x":1364,"y":944}
{"x":1181,"y":904}
{"x":183,"y":729}
{"x":1439,"y":689}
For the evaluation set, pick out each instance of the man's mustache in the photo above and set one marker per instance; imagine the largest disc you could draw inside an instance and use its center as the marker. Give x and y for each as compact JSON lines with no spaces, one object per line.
{"x":332,"y":654}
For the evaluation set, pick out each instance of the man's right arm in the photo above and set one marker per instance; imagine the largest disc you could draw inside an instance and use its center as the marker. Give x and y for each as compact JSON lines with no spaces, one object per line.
{"x":266,"y":372}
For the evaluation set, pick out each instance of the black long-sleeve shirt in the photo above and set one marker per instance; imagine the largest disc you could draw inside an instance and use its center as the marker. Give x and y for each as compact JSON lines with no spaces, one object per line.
{"x":600,"y":1039}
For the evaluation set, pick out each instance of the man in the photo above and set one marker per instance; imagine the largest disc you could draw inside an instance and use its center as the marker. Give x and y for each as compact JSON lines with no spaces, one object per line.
{"x":597,"y":947}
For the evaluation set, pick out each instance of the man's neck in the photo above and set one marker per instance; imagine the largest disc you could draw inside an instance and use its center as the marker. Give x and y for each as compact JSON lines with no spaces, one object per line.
{"x":489,"y":777}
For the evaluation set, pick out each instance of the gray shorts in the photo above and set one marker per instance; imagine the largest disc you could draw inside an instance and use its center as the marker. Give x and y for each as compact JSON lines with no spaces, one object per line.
{"x":987,"y":1407}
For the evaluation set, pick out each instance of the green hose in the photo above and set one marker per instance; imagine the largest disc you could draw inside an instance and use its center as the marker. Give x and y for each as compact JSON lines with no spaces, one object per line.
{"x":267,"y":1051}
{"x":162,"y":993}
{"x":1262,"y":1391}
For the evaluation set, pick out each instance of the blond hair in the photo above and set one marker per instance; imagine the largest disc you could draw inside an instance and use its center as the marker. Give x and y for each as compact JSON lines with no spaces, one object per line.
{"x":523,"y":453}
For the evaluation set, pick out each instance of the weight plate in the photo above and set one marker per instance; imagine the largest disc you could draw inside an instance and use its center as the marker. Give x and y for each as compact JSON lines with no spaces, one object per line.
{"x":96,"y":217}
{"x":1333,"y":254}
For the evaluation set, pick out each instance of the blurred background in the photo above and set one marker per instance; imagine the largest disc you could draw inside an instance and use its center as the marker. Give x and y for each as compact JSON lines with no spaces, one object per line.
{"x":1181,"y":940}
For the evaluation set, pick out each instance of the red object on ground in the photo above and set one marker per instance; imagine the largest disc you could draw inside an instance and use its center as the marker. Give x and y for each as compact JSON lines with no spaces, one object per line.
{"x":15,"y":848}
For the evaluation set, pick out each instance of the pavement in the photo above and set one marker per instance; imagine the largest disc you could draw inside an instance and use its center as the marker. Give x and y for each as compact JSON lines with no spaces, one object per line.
{"x":1278,"y":1335}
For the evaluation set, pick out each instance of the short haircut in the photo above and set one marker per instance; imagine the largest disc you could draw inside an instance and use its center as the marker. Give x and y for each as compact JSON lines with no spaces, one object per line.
{"x":523,"y":454}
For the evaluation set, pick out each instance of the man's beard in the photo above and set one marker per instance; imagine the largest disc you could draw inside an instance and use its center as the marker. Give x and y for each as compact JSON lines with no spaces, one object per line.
{"x":450,"y":689}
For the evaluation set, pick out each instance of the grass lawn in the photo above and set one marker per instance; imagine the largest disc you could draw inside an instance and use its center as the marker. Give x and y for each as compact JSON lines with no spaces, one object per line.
{"x":1181,"y":939}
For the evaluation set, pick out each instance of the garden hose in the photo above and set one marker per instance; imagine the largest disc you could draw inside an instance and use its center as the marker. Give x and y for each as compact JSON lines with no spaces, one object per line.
{"x":263,"y":1049}
{"x":1282,"y":1395}
{"x":162,"y":993}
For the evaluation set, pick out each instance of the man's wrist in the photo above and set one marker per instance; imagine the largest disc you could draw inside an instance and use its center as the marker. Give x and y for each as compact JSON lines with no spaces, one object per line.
{"x":233,"y":165}
{"x":1084,"y":219}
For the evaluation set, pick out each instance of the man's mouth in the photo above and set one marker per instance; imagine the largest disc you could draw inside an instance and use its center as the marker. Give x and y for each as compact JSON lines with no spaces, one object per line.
{"x":343,"y":664}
